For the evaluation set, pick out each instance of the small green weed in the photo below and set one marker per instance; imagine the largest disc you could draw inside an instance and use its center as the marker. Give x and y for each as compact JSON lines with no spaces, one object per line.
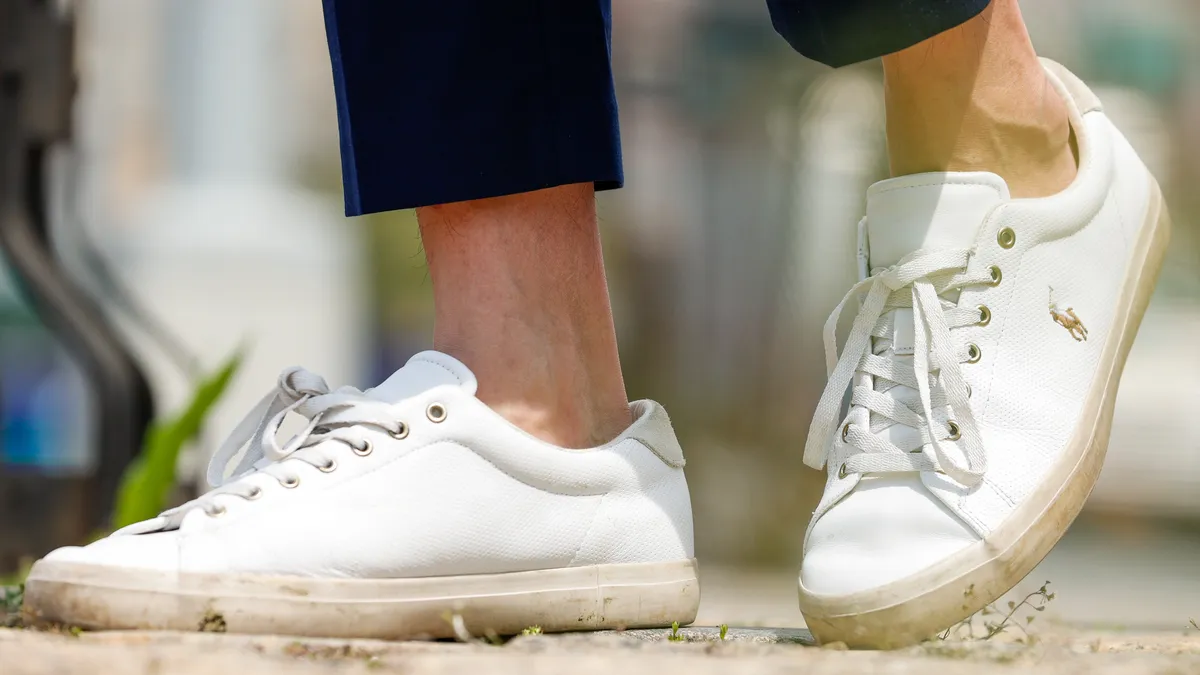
{"x":147,"y":482}
{"x":532,"y":630}
{"x":723,"y":630}
{"x":11,"y":599}
{"x":1194,"y":624}
{"x":675,"y":636}
{"x":1035,"y":601}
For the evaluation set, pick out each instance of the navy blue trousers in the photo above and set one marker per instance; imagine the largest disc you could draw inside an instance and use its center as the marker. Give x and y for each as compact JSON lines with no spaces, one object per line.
{"x":447,"y":100}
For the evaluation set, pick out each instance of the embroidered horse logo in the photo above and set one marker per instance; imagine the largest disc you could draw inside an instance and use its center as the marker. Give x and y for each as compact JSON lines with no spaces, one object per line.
{"x":1068,"y":319}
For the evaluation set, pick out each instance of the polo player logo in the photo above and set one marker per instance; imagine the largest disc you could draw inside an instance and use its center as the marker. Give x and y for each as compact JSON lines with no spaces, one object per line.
{"x":1068,"y":319}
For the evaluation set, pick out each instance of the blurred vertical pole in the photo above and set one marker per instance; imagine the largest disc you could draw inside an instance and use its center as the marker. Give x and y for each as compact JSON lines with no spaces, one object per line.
{"x":37,"y":91}
{"x":223,"y":90}
{"x":838,"y":150}
{"x":730,"y":286}
{"x":228,"y":250}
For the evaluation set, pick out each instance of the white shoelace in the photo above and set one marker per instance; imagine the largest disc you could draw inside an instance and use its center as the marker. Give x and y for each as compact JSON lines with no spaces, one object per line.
{"x":917,"y":281}
{"x":329,"y":416}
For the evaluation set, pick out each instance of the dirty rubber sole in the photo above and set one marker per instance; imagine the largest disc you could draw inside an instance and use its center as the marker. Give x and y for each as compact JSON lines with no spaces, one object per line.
{"x":915,"y":608}
{"x":634,"y":595}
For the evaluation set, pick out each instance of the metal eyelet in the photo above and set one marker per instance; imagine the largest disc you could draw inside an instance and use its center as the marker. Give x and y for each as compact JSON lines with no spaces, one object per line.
{"x":973,"y":353}
{"x":1006,"y":237}
{"x":969,"y":392}
{"x":436,"y":412}
{"x":215,"y":511}
{"x":290,"y":482}
{"x":400,"y":433}
{"x":955,"y":432}
{"x":845,"y":431}
{"x":994,"y":271}
{"x":362,"y":450}
{"x":254,"y":493}
{"x":328,"y":467}
{"x":842,"y":471}
{"x":985,"y":316}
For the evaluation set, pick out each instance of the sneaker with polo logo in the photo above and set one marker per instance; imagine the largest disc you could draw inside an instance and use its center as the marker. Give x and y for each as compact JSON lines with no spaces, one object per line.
{"x":404,"y":511}
{"x":983,"y":367}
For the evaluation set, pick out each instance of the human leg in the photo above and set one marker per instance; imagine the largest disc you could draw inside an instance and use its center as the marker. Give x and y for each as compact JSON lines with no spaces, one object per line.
{"x":496,"y":119}
{"x":520,"y":294}
{"x":977,"y":424}
{"x":976,"y":98}
{"x":521,"y":490}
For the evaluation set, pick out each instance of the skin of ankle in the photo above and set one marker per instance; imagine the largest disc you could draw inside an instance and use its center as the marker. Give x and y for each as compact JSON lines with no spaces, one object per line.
{"x":521,"y":298}
{"x":976,"y":98}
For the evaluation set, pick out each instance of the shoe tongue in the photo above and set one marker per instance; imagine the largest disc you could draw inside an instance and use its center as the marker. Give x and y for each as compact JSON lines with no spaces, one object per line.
{"x":928,"y":211}
{"x":424,"y":372}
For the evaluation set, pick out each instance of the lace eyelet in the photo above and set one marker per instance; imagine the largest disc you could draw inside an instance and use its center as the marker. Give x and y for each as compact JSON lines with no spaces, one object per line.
{"x":845,"y":431}
{"x":436,"y":412}
{"x":400,"y":433}
{"x":216,"y":511}
{"x":1006,"y":238}
{"x":955,"y":432}
{"x":254,"y":493}
{"x":328,"y":467}
{"x":985,"y":316}
{"x":842,"y":471}
{"x":995,"y":274}
{"x":973,"y":353}
{"x":290,"y":482}
{"x":362,"y":450}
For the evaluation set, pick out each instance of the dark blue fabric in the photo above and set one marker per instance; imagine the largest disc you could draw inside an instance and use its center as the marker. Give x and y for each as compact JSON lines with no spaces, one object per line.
{"x":447,"y":100}
{"x":841,"y":32}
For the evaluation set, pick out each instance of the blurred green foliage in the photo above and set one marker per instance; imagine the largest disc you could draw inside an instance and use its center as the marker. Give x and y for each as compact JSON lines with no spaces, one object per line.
{"x":148,"y":481}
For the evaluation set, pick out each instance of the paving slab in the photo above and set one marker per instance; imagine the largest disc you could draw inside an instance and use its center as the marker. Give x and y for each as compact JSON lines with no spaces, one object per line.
{"x":696,"y":651}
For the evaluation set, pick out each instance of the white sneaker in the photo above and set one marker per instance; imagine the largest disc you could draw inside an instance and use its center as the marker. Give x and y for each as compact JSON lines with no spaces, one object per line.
{"x":394,"y":510}
{"x":973,"y":440}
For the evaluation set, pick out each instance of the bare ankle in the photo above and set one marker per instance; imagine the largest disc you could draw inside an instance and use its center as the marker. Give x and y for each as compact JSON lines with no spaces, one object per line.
{"x":977,"y":99}
{"x":581,"y":425}
{"x":521,"y":298}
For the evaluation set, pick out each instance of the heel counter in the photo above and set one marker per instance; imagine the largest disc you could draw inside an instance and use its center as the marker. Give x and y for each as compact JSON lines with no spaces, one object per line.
{"x":1135,"y":188}
{"x":653,"y":524}
{"x":647,"y":520}
{"x":652,"y":428}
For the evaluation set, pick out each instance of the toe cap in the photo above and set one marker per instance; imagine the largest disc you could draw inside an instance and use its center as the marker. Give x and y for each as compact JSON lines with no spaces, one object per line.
{"x":156,"y":551}
{"x":889,"y":528}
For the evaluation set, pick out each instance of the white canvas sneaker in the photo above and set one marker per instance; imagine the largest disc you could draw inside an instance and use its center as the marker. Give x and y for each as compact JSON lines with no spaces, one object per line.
{"x":394,"y":510}
{"x":983,"y":363}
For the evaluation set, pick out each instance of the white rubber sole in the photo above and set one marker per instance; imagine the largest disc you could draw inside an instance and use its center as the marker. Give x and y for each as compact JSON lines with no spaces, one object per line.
{"x":639,"y":595}
{"x":915,"y":608}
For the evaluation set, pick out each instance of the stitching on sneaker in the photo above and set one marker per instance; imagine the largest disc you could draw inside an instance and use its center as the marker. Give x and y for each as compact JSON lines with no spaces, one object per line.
{"x":1000,"y":491}
{"x":1001,"y":333}
{"x":588,"y":533}
{"x":452,"y":373}
{"x":938,"y":183}
{"x":646,"y":444}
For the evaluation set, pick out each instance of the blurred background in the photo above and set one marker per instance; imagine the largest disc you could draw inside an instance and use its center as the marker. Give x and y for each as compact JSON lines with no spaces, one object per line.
{"x":197,"y":209}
